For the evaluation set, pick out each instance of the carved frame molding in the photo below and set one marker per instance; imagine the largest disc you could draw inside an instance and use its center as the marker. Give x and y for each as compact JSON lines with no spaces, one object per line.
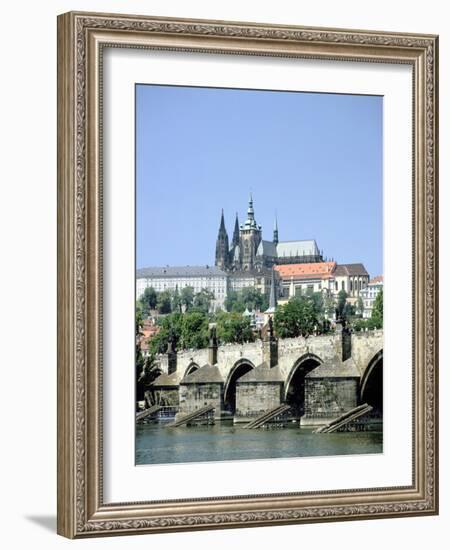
{"x":81,"y":37}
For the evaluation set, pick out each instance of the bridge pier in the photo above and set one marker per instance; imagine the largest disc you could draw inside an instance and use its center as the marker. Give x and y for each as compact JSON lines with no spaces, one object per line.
{"x":330,"y":392}
{"x":201,"y":388}
{"x":258,"y":391}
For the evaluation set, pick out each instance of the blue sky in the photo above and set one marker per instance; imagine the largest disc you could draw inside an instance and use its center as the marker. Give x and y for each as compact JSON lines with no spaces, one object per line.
{"x":313,"y":159}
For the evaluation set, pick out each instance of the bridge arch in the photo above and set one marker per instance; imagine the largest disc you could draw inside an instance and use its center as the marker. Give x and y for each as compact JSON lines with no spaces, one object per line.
{"x":294,"y":387}
{"x":241,"y":367}
{"x":192,"y":367}
{"x":371,"y":386}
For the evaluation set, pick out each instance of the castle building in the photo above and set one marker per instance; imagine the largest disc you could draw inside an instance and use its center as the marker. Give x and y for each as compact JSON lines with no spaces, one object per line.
{"x":210,"y":278}
{"x":249,"y":252}
{"x":288,"y":268}
{"x":326,"y":277}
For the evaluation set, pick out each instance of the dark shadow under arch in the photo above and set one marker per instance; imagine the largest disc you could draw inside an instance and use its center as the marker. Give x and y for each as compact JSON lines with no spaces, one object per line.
{"x":371,"y":388}
{"x":192,"y":367}
{"x":240,"y":368}
{"x":294,"y":389}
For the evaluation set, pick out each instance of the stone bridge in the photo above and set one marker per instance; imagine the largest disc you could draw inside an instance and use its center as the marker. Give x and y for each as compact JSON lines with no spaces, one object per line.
{"x":320,"y":376}
{"x":364,"y":346}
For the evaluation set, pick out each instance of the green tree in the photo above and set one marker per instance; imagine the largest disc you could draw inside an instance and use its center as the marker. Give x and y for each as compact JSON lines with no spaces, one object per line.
{"x":202,"y":300}
{"x":151,"y":370}
{"x":139,"y":321}
{"x":170,"y":325}
{"x":317,"y":301}
{"x":341,"y":303}
{"x":187,"y":297}
{"x":176,"y":300}
{"x":296,"y":318}
{"x":194,"y":330}
{"x":377,"y":311}
{"x":328,"y":306}
{"x":190,"y":330}
{"x":139,"y":359}
{"x":248,"y":298}
{"x":359,"y":306}
{"x":233,"y":302}
{"x":253,"y":299}
{"x":148,"y":300}
{"x":164,"y":302}
{"x":349,"y":311}
{"x":232,"y":327}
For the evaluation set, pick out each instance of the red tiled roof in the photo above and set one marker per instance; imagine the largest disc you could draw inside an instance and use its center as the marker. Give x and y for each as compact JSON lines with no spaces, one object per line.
{"x":319,"y":270}
{"x":376,"y":279}
{"x":147,"y":332}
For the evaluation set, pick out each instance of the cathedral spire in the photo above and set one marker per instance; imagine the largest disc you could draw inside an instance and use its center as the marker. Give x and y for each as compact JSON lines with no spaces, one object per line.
{"x":235,"y":240}
{"x":275,"y":231}
{"x":222,"y":245}
{"x":250,"y":211}
{"x":250,"y":222}
{"x":222,"y":224}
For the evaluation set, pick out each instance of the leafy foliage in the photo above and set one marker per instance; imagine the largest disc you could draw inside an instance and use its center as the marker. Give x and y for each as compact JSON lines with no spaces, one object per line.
{"x":299,"y":317}
{"x":189,"y":330}
{"x":187,"y":297}
{"x":377,"y":311}
{"x":248,"y":298}
{"x":148,"y":300}
{"x":233,"y":302}
{"x":202,"y":300}
{"x":164,"y":301}
{"x":194,"y":330}
{"x":376,"y":320}
{"x":232,"y":327}
{"x":341,"y":304}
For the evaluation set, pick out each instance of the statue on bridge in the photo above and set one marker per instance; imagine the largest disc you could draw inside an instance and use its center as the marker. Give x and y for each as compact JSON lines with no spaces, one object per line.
{"x":172,"y":341}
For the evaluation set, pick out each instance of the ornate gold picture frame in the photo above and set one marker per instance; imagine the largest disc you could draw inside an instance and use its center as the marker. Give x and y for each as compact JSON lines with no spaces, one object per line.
{"x":82,"y":39}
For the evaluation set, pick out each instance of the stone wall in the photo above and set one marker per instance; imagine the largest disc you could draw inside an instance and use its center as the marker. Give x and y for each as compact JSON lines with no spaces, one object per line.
{"x":196,"y":396}
{"x":255,"y":398}
{"x":328,"y":398}
{"x":365,"y":345}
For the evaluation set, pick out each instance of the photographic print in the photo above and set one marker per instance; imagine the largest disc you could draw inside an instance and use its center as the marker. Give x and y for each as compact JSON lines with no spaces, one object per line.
{"x":259,"y":274}
{"x":247,"y":222}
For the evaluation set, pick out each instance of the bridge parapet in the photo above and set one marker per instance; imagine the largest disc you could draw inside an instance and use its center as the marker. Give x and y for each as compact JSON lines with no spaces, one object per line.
{"x":365,"y":345}
{"x":327,"y":347}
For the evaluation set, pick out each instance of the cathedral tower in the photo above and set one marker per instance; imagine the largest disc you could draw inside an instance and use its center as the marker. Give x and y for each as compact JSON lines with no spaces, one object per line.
{"x":222,"y":246}
{"x":250,"y":238}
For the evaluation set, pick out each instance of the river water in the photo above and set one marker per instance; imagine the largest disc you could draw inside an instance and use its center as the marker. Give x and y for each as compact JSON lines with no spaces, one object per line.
{"x":157,"y":444}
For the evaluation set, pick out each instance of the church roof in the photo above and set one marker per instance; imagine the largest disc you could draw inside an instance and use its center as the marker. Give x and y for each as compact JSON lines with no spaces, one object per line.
{"x":251,"y":274}
{"x":345,"y":270}
{"x":208,"y":374}
{"x":267,"y":248}
{"x":317,"y":270}
{"x":297,"y":248}
{"x":180,"y":271}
